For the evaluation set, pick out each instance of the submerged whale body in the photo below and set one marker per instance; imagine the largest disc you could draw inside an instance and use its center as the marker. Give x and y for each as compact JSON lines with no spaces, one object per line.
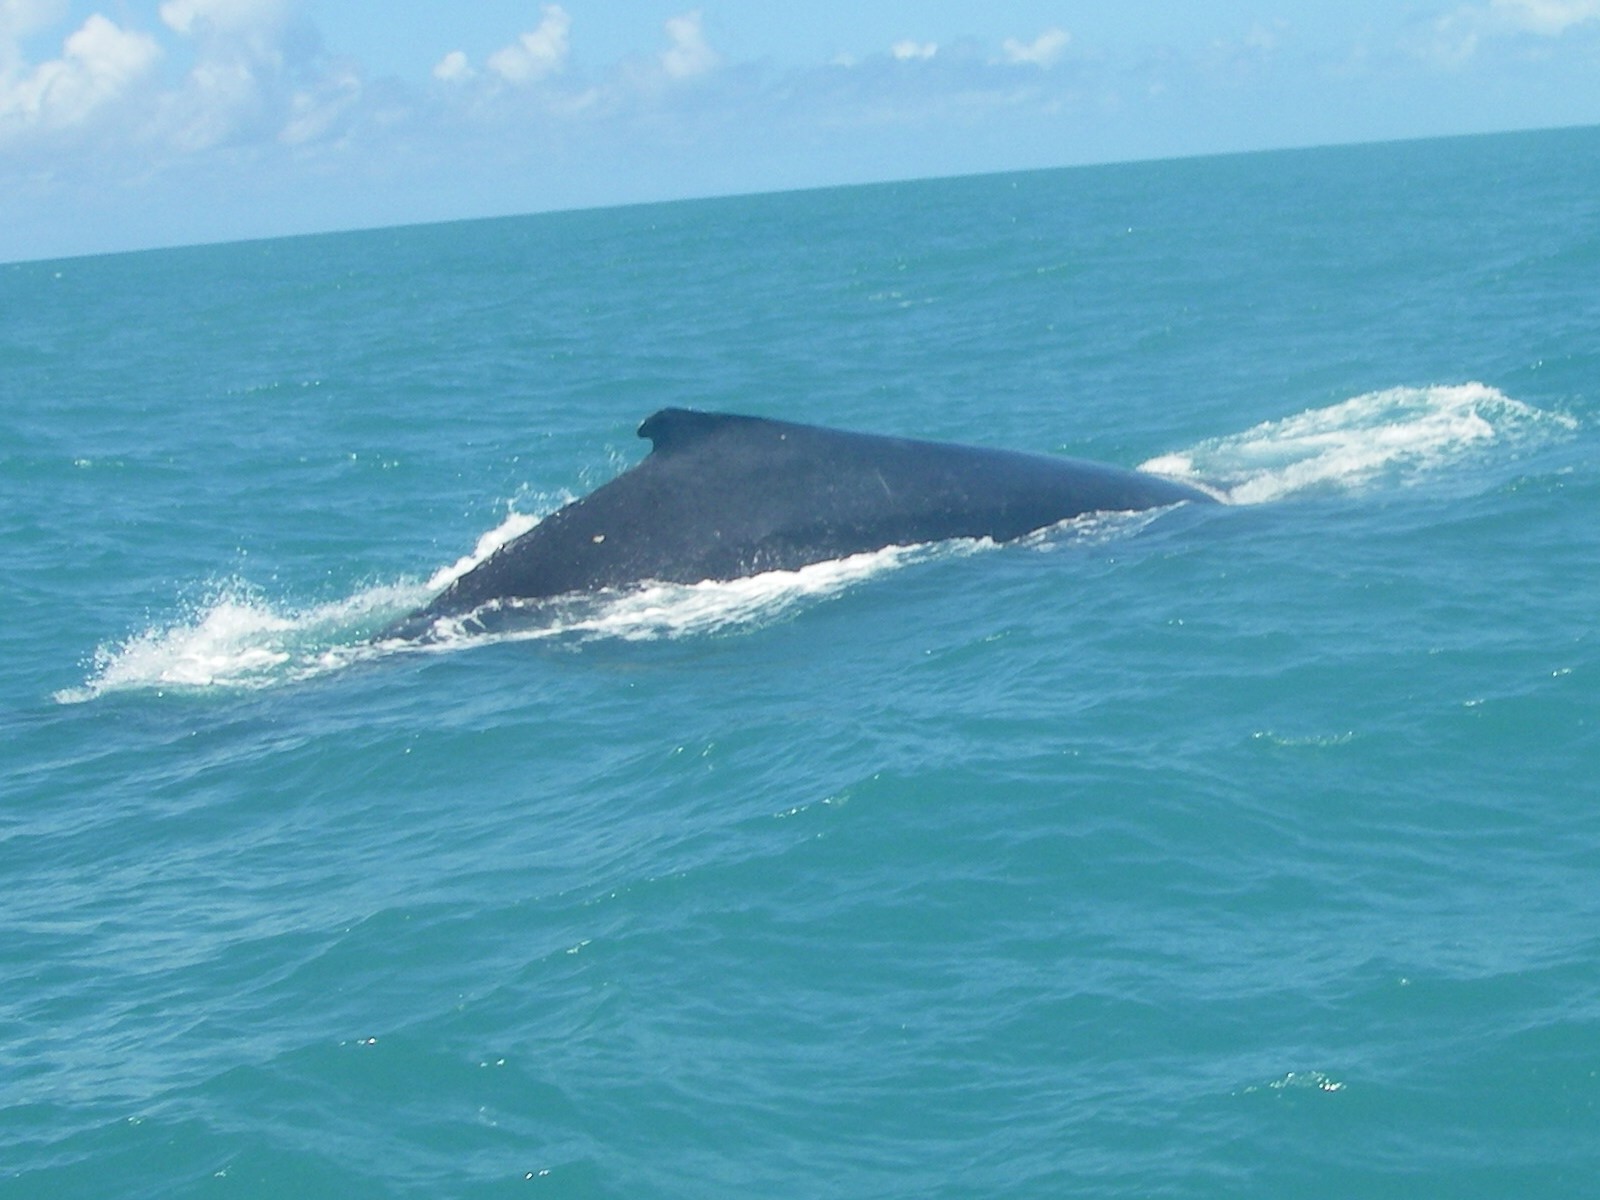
{"x":722,"y":496}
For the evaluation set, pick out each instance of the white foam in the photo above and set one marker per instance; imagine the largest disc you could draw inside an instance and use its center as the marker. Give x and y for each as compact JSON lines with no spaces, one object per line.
{"x":1394,"y":436}
{"x":238,"y":640}
{"x":514,"y":526}
{"x":1090,"y":529}
{"x":657,"y":611}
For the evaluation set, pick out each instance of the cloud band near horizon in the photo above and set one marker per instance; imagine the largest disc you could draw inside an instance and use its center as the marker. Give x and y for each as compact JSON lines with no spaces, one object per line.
{"x":210,"y":87}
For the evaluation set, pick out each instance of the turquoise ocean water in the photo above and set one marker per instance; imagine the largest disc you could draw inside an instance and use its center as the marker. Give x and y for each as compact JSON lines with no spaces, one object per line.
{"x":1252,"y":851}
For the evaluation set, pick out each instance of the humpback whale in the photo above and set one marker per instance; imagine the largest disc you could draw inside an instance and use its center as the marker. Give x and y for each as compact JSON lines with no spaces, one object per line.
{"x":722,"y":496}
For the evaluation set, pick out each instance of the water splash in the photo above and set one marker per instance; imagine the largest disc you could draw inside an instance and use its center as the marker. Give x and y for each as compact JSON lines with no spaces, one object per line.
{"x":1393,"y":437}
{"x":656,"y":611}
{"x":514,"y":526}
{"x":238,"y":639}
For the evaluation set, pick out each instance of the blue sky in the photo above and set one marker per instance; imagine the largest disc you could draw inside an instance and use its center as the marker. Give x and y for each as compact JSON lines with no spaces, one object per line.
{"x":131,"y":123}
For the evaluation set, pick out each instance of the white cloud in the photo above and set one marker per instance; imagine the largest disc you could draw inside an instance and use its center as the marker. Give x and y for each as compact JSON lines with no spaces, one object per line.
{"x":1551,"y":18}
{"x":193,"y":17}
{"x":453,"y":68}
{"x":1264,"y":39}
{"x":1044,"y":51}
{"x":18,"y":19}
{"x":537,"y":54}
{"x":1459,"y":35}
{"x":98,"y":64}
{"x":21,"y":17}
{"x":1454,"y":40}
{"x":220,"y":101}
{"x":241,"y":90}
{"x":315,"y":112}
{"x":689,"y":54}
{"x":253,"y":75}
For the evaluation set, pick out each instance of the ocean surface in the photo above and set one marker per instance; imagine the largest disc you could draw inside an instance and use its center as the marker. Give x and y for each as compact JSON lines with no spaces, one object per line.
{"x":1243,"y":850}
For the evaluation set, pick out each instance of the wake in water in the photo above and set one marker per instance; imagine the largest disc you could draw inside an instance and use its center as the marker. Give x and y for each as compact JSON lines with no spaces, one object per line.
{"x":654,"y":611}
{"x":1388,"y":438}
{"x":238,"y":639}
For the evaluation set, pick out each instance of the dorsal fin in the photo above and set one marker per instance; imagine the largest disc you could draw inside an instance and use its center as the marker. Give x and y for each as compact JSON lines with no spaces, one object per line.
{"x":675,"y":428}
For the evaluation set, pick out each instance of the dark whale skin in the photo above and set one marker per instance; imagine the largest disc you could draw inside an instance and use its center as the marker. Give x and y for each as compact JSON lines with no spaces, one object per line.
{"x":722,"y":496}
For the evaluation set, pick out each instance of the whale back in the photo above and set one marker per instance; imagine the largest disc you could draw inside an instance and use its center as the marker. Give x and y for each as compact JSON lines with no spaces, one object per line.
{"x":722,"y":495}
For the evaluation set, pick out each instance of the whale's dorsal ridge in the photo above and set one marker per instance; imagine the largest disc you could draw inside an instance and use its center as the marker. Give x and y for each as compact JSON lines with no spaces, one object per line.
{"x":723,"y":496}
{"x":674,"y":429}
